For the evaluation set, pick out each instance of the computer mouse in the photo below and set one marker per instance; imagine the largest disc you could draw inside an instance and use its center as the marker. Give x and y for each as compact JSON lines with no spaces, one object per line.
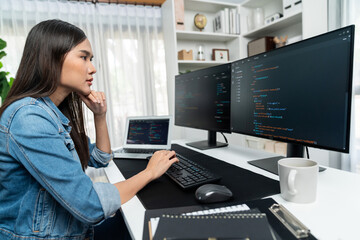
{"x":211,"y":193}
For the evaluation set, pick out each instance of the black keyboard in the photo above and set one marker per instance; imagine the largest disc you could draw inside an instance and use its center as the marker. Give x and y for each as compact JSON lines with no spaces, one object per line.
{"x":130,"y":150}
{"x":188,"y":174}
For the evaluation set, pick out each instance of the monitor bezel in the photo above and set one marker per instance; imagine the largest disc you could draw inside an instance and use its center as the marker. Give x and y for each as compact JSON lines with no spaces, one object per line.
{"x":350,"y":88}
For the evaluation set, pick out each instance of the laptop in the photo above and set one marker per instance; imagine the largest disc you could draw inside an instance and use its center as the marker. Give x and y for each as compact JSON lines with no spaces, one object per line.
{"x":144,"y":136}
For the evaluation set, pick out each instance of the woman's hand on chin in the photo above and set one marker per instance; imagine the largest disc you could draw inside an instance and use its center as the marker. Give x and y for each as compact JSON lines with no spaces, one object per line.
{"x":96,"y":102}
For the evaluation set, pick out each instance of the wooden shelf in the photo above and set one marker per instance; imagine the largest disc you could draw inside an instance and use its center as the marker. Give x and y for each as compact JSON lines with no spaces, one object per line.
{"x":205,"y":36}
{"x":255,"y":3}
{"x":206,"y":6}
{"x":198,"y":64}
{"x":275,"y":26}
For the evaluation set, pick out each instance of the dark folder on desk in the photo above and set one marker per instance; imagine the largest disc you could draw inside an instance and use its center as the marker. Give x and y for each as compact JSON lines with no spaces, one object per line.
{"x":278,"y":229}
{"x":235,"y":226}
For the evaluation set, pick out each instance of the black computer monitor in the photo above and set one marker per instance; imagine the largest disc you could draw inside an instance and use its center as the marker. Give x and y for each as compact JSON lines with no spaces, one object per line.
{"x":202,"y":101}
{"x":299,"y":94}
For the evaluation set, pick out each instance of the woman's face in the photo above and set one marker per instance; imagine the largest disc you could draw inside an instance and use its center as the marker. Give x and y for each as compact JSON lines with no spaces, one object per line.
{"x":77,"y":70}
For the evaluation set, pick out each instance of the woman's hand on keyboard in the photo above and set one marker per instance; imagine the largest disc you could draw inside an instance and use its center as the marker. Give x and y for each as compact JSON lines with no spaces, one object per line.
{"x":160,"y":162}
{"x":157,"y":166}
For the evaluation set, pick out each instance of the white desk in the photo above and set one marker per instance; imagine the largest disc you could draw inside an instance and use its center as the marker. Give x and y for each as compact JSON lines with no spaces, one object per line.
{"x":334,"y":215}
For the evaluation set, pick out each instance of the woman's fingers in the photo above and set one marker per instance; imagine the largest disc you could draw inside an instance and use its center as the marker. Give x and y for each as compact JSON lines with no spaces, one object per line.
{"x":92,"y":97}
{"x":95,"y":101}
{"x":97,"y":97}
{"x":170,"y":154}
{"x":173,"y":160}
{"x":161,"y":161}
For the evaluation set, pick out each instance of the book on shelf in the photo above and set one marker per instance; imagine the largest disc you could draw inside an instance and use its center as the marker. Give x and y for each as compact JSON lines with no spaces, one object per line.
{"x":179,"y":14}
{"x":219,"y":22}
{"x":227,"y":21}
{"x":238,"y":24}
{"x":233,"y":21}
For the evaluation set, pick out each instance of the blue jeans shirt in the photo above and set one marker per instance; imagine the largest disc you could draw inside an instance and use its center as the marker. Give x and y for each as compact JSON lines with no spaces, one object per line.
{"x":44,"y":192}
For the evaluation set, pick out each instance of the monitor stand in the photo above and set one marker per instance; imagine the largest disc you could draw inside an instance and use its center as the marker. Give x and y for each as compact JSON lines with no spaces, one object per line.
{"x":270,"y":164}
{"x":208,"y":144}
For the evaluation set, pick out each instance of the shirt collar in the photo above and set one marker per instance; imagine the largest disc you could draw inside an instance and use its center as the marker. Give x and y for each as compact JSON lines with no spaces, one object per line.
{"x":64,"y":120}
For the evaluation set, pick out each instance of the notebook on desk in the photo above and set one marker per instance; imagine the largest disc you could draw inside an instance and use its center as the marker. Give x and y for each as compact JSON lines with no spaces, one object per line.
{"x":278,"y":228}
{"x":144,"y":136}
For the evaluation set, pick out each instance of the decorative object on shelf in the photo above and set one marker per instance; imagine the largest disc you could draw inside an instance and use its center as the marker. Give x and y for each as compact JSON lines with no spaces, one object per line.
{"x":220,"y":55}
{"x":179,"y":14}
{"x":280,"y":41}
{"x":260,"y":45}
{"x":291,"y":7}
{"x":200,"y":52}
{"x":200,"y":21}
{"x":185,"y":55}
{"x":273,"y":18}
{"x":258,"y":17}
{"x":250,"y":21}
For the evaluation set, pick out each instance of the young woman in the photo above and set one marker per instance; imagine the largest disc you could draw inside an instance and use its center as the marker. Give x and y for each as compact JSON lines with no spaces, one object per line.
{"x":44,"y":192}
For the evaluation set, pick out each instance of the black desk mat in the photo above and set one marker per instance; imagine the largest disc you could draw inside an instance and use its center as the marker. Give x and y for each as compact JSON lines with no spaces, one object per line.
{"x":164,"y":193}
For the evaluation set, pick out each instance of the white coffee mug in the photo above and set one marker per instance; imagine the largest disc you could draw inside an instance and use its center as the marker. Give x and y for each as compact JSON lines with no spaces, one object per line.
{"x":298,"y":179}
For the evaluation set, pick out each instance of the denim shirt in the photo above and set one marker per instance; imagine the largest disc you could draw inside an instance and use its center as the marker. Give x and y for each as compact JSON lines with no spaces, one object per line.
{"x":44,"y":193}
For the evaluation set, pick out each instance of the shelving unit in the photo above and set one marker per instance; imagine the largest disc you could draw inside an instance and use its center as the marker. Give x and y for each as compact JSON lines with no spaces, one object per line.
{"x":205,"y":36}
{"x":191,"y":37}
{"x":276,"y":26}
{"x":188,"y":39}
{"x":290,"y":24}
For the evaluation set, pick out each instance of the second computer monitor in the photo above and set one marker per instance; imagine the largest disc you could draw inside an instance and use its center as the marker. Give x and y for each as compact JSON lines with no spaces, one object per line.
{"x":300,"y":94}
{"x":202,"y":101}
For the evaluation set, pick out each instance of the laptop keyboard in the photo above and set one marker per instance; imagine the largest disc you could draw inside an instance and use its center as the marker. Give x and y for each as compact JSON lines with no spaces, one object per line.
{"x":129,"y":150}
{"x":188,"y":174}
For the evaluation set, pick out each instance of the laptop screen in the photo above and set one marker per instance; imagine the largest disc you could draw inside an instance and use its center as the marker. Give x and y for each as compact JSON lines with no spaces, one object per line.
{"x":148,"y":131}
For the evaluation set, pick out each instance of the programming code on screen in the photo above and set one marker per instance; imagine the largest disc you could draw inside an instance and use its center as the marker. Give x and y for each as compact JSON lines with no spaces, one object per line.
{"x":296,"y":94}
{"x":148,"y":132}
{"x":202,"y":99}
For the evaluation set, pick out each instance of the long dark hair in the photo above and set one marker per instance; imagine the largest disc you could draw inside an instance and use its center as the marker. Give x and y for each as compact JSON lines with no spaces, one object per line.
{"x":39,"y":74}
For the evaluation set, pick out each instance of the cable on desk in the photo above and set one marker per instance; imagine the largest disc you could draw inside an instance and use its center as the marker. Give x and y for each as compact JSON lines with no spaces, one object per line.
{"x":307,"y":152}
{"x":224,"y":137}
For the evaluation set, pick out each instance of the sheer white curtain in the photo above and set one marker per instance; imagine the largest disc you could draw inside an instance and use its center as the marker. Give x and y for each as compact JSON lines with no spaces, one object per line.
{"x":128,"y":48}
